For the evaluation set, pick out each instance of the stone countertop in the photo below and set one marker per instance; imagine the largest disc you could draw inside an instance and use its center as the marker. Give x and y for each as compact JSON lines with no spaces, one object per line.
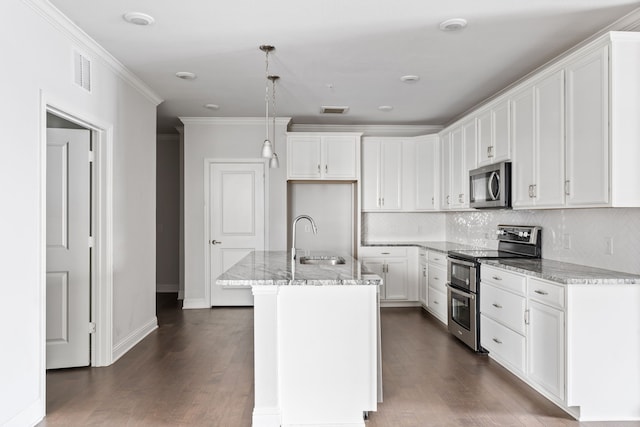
{"x":275,"y":268}
{"x":443,"y":247}
{"x":564,"y":273}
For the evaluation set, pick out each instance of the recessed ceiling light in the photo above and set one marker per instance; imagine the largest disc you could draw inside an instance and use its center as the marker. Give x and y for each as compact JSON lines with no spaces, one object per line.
{"x":385,"y":108}
{"x":186,"y":75}
{"x":212,"y":106}
{"x":454,"y":24}
{"x":410,"y":79}
{"x":138,"y":18}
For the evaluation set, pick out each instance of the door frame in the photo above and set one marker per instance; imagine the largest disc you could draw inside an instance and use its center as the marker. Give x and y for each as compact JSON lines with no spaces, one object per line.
{"x":206,"y":246}
{"x":102,"y":224}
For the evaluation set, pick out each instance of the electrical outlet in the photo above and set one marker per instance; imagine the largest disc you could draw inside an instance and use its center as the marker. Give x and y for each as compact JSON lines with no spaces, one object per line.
{"x":608,"y":245}
{"x":566,"y":241}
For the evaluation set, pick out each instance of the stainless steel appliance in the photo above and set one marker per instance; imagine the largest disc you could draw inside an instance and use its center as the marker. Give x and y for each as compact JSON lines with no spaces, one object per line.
{"x":463,"y":278}
{"x":490,"y":186}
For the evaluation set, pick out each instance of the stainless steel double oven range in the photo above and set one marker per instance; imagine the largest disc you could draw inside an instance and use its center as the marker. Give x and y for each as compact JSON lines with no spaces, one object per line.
{"x":463,"y":278}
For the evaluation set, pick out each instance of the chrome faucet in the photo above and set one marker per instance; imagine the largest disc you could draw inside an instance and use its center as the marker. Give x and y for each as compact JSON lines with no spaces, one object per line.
{"x":293,"y":233}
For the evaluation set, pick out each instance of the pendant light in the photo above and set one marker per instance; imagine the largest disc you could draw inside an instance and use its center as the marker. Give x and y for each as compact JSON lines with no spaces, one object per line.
{"x":274,"y":163}
{"x":267,"y":150}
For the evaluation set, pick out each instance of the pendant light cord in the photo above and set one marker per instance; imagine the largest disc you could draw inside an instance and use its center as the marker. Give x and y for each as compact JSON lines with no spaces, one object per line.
{"x":266,"y":96}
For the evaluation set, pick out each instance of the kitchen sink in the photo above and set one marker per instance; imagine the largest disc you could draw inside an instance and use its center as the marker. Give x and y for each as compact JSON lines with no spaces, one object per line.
{"x":322,"y":259}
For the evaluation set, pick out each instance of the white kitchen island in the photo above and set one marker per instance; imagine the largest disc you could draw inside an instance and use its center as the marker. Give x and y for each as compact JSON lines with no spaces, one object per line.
{"x":315,"y":340}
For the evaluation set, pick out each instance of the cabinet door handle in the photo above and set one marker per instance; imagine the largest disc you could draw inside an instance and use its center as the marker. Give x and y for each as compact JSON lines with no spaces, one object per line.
{"x":448,"y":199}
{"x":497,"y":341}
{"x":490,"y":151}
{"x":534,"y":190}
{"x":326,"y":168}
{"x":567,"y":187}
{"x":539,"y":292}
{"x":385,"y":253}
{"x":526,"y":317}
{"x":382,"y":201}
{"x":436,"y":302}
{"x":433,"y":202}
{"x":379,"y":202}
{"x":216,"y":242}
{"x":497,"y":278}
{"x":496,"y":305}
{"x":318,"y":167}
{"x":460,"y":198}
{"x":530,"y":191}
{"x":436,"y":278}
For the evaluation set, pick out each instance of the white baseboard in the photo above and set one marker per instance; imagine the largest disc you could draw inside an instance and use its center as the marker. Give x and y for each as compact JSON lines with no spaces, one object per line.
{"x":266,"y":417}
{"x":133,"y":338}
{"x":389,"y":303}
{"x":166,"y":288}
{"x":192,"y":303}
{"x":28,"y":417}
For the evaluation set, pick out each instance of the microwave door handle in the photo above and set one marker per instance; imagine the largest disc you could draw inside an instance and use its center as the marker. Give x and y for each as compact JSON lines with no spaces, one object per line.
{"x":496,"y":177}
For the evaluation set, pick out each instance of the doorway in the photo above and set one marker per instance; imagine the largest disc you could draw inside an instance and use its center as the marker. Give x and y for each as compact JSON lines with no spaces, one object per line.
{"x":69,"y":244}
{"x":235,"y":223}
{"x":95,"y":260}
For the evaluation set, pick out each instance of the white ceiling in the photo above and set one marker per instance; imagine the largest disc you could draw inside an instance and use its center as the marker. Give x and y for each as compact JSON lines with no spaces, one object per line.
{"x":360,"y":48}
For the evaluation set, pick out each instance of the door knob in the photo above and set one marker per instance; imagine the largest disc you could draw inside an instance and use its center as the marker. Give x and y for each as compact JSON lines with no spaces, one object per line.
{"x":216,"y":242}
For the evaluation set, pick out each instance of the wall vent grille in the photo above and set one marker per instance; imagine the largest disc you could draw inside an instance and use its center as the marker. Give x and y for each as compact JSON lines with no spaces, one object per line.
{"x":333,"y":109}
{"x":82,"y":71}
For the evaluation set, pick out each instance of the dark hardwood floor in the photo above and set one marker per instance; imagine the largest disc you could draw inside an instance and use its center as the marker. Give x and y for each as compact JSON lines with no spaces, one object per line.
{"x":197,"y":370}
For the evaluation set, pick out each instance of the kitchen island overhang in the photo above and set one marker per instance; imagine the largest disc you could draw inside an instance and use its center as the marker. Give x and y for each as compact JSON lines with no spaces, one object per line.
{"x":316,"y":339}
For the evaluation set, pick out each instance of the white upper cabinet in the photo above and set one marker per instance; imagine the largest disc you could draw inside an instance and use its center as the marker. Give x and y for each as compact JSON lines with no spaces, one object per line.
{"x":494,"y":137}
{"x":537,"y":125}
{"x":329,"y":156}
{"x":427,"y":172}
{"x":458,"y":157}
{"x":381,"y":174}
{"x":587,"y":180}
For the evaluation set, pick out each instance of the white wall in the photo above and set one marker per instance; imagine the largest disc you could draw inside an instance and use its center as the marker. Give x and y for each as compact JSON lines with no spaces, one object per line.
{"x":225,"y":138}
{"x":167,"y":213}
{"x":37,"y":58}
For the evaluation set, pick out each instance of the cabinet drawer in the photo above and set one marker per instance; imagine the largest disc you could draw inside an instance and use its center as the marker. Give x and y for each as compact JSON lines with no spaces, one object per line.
{"x":383,"y":251}
{"x":437,"y":258}
{"x":502,"y":343}
{"x":546,"y":293}
{"x":438,"y":304}
{"x":437,"y":278}
{"x":504,"y":279}
{"x":504,"y":307}
{"x":422,"y":255}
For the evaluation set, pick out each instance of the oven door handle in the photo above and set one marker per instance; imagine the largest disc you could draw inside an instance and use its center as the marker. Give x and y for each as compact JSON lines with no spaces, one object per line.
{"x":458,"y":261}
{"x":459,"y":292}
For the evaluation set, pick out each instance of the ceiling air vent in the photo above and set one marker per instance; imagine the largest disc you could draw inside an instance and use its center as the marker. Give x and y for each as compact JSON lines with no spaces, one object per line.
{"x":82,"y":71}
{"x":325,"y":109}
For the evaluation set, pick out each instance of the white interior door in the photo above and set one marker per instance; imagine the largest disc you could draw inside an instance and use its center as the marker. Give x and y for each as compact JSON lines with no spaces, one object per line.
{"x":236,"y":223}
{"x":68,"y":259}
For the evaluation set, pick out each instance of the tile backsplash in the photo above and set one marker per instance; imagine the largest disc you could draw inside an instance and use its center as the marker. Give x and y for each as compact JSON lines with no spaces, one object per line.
{"x":578,"y":236}
{"x":403,"y":226}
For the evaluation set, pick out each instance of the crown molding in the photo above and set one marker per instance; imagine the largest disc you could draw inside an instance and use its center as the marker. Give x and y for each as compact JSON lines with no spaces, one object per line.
{"x":628,"y":22}
{"x":77,"y":36}
{"x":233,"y":121}
{"x":369,"y":130}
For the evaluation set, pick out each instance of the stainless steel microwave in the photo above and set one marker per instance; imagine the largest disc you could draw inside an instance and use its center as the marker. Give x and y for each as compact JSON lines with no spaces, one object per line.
{"x":490,"y":186}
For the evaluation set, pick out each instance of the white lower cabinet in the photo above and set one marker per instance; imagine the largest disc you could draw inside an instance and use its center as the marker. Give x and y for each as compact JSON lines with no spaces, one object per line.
{"x":504,"y":345}
{"x":545,"y":339}
{"x":395,"y":265}
{"x":423,"y":284}
{"x":522,"y":325}
{"x":437,"y":285}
